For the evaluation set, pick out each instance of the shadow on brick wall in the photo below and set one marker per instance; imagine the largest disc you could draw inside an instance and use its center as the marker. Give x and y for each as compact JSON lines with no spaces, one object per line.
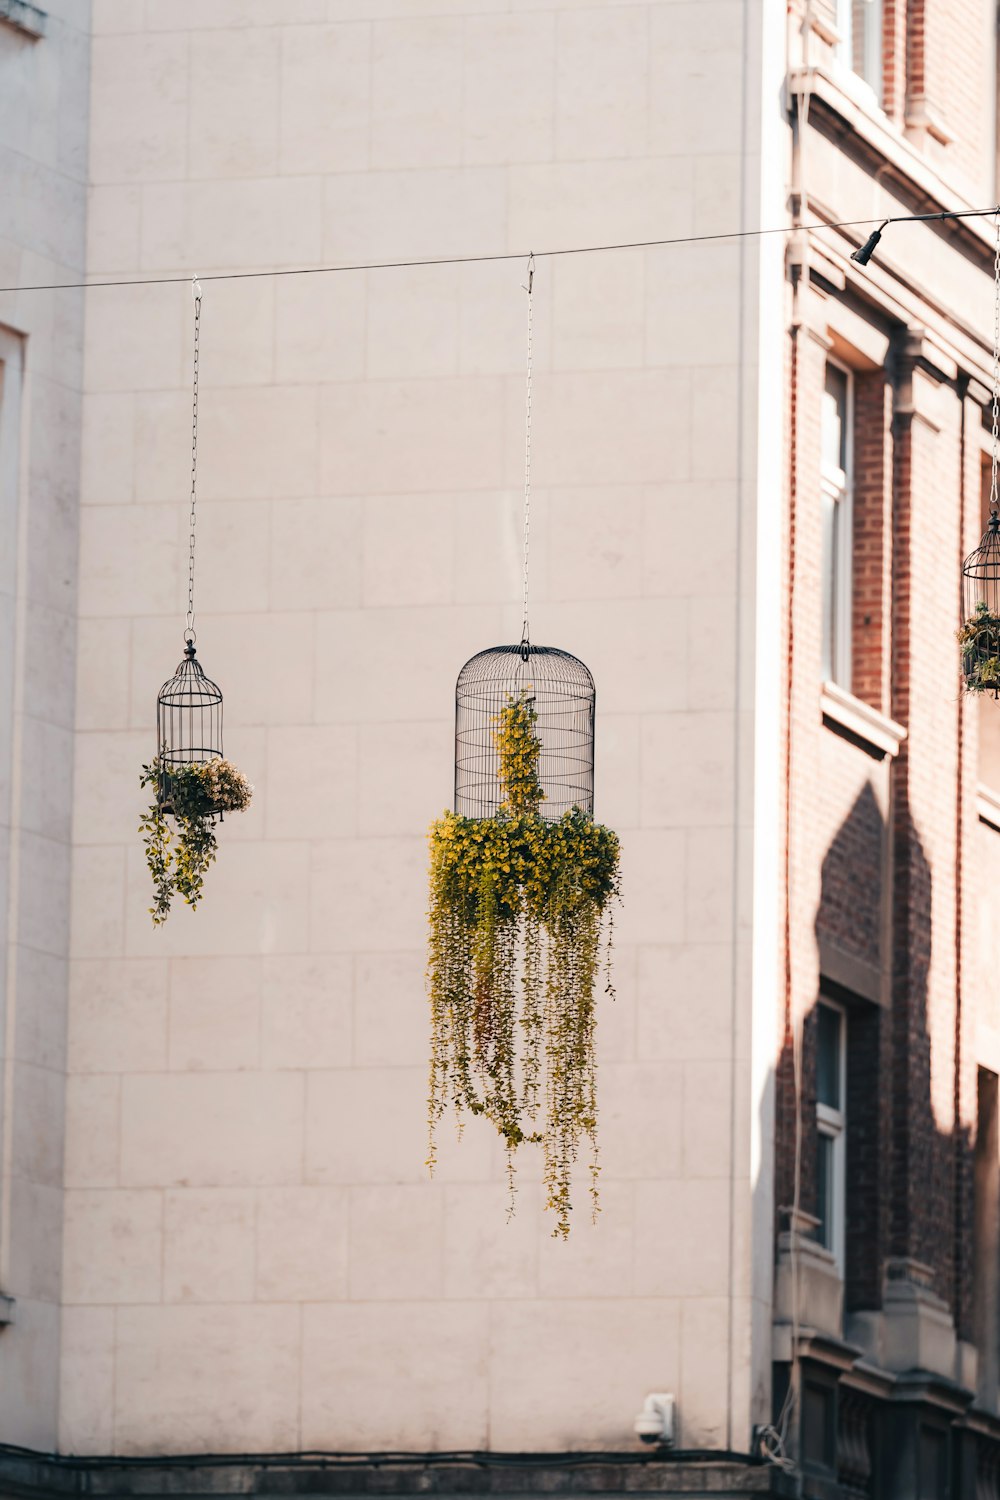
{"x":910,"y":1214}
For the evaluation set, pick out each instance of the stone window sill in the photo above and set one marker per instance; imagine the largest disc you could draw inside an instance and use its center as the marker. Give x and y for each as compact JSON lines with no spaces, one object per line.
{"x":853,"y":102}
{"x":879,"y":735}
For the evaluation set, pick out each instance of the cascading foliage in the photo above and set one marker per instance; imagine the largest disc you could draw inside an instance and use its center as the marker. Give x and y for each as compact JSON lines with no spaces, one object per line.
{"x":518,"y":906}
{"x":192,"y":797}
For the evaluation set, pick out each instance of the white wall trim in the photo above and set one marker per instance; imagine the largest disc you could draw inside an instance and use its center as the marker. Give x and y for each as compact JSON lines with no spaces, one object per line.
{"x":860,"y":719}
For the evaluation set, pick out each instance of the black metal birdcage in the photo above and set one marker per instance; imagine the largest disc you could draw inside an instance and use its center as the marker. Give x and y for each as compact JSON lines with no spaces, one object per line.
{"x":981,"y":625}
{"x":561,"y":692}
{"x":188,"y":719}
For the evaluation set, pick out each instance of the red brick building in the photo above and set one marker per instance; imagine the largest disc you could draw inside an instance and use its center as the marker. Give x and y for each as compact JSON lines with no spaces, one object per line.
{"x":886,"y":1319}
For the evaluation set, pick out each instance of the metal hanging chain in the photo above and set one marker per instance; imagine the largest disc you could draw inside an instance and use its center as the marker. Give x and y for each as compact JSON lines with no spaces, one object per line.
{"x":527,"y":459}
{"x":190,"y":634}
{"x":996,"y":366}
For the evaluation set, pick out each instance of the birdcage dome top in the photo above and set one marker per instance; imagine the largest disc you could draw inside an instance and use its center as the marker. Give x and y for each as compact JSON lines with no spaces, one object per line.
{"x":542,"y":665}
{"x":190,"y":682}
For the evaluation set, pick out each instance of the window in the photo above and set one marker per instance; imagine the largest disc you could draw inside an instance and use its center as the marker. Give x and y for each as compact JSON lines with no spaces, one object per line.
{"x":831,"y":1127}
{"x":859,"y":23}
{"x":837,"y":439}
{"x":986,"y":1240}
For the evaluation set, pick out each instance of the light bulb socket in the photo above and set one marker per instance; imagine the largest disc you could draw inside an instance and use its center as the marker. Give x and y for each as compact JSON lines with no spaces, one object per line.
{"x":867,"y":250}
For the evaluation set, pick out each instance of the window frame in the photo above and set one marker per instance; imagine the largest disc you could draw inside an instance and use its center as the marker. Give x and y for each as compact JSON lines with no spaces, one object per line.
{"x":837,"y":491}
{"x":831,"y":1124}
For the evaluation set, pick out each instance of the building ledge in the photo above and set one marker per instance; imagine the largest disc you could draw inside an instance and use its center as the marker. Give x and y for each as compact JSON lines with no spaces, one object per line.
{"x":41,"y":1476}
{"x":899,"y":161}
{"x":877,"y":734}
{"x":23,"y":17}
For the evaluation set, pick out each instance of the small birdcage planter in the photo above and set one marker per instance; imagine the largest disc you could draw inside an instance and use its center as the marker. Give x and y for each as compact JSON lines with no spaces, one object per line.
{"x":979,"y":635}
{"x":523,"y":884}
{"x":193,"y":784}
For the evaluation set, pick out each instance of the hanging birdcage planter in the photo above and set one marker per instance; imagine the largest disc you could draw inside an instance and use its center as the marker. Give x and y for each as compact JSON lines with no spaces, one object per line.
{"x":193,"y":784}
{"x":523,"y":884}
{"x":979,"y":636}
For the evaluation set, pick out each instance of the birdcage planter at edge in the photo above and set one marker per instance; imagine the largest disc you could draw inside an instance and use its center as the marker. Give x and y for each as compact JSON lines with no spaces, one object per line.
{"x":979,"y":635}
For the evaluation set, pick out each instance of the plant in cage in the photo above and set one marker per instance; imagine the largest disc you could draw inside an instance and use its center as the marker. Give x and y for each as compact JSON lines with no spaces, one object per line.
{"x":520,"y":907}
{"x":179,"y":825}
{"x":979,"y":633}
{"x":979,"y":638}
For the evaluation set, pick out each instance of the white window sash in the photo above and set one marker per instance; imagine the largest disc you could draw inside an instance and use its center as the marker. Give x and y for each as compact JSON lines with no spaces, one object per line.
{"x":870,"y":71}
{"x":837,"y":487}
{"x":872,"y":39}
{"x":832,"y":1123}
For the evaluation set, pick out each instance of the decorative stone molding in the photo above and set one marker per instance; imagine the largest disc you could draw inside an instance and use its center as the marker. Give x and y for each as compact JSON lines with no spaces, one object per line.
{"x":914,"y":1330}
{"x":923,"y":119}
{"x":896,"y":157}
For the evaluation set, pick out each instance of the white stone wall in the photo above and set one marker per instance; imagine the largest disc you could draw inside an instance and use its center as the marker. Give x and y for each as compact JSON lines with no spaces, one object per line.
{"x":43,"y":170}
{"x":254,"y":1257}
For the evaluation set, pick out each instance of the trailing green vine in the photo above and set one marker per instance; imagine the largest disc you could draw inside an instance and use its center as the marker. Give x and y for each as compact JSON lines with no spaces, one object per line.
{"x":517,"y":913}
{"x":979,"y":639}
{"x":178,"y":828}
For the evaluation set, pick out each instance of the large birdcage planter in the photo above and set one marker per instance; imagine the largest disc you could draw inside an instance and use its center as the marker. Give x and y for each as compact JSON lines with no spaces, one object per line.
{"x":979,"y":635}
{"x":522,"y":889}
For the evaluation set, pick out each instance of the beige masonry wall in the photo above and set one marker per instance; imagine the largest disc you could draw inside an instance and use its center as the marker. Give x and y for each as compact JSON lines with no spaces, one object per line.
{"x":43,"y":171}
{"x":254,"y":1257}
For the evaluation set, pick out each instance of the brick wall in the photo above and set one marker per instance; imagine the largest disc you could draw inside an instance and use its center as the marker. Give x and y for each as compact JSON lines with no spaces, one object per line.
{"x":872,"y":531}
{"x":947,"y":76}
{"x":894,"y":59}
{"x":880,"y":847}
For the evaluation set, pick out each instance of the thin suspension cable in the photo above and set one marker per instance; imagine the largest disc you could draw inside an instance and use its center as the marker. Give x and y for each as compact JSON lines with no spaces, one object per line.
{"x":469,"y":260}
{"x":996,"y":366}
{"x":190,"y":634}
{"x":527,"y":455}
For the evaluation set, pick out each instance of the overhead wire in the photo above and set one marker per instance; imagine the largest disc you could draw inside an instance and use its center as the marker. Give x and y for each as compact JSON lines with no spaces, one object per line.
{"x":507,"y":255}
